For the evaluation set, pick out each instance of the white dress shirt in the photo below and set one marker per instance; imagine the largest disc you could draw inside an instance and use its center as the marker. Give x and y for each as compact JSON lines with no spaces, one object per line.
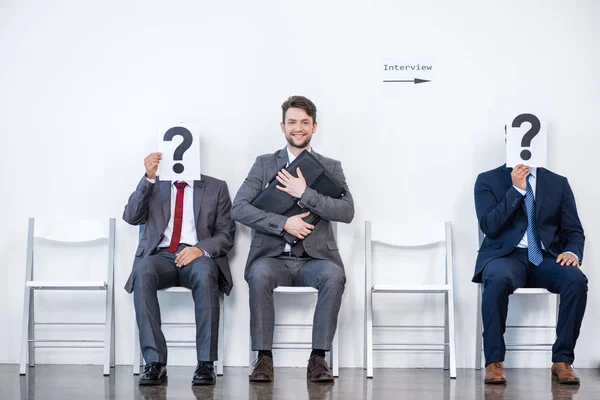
{"x":533,"y":182}
{"x":188,"y":224}
{"x":291,"y":158}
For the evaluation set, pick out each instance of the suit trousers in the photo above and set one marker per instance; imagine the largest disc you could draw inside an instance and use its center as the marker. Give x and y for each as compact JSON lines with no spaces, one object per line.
{"x":158,"y":271}
{"x":266,"y":274}
{"x":502,"y":276}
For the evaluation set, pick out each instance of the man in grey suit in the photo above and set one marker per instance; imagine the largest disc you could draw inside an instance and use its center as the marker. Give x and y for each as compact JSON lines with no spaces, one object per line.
{"x":188,"y":232}
{"x":314,"y":261}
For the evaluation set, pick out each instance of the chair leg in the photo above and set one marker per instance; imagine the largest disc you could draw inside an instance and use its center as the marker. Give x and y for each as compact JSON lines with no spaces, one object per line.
{"x":221,"y":352}
{"x":32,"y":328}
{"x":25,"y":332}
{"x":335,"y":359}
{"x":446,"y":333}
{"x":137,"y":353}
{"x":112,"y":334}
{"x":108,"y":318}
{"x":369,"y":334}
{"x":478,"y":331}
{"x":251,"y":356}
{"x":451,"y":334}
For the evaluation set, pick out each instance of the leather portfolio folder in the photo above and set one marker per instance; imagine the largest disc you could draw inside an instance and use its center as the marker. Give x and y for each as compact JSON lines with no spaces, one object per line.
{"x":317,"y":178}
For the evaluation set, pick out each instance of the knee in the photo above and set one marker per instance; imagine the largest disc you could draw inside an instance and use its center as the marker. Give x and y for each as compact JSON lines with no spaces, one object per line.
{"x":144,"y":277}
{"x":259,"y":276}
{"x":498,"y":283}
{"x":203,"y":272}
{"x":334,"y":279}
{"x":575,"y":279}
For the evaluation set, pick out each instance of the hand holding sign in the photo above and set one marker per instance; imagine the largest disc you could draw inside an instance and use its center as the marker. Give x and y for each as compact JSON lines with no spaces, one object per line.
{"x":526,"y":142}
{"x":180,"y":154}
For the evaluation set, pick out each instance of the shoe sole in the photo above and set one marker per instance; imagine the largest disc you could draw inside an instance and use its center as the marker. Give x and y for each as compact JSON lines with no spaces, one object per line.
{"x":203,"y":383}
{"x":496,"y":382}
{"x":259,"y":380}
{"x":153,"y":383}
{"x":555,"y":377}
{"x":319,"y":380}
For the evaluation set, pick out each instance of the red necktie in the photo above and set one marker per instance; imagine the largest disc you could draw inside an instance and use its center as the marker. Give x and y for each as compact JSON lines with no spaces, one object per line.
{"x":178,"y":219}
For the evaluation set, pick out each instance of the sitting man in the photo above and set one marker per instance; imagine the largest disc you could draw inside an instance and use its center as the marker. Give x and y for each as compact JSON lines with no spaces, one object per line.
{"x":313,"y":261}
{"x":533,"y":238}
{"x":188,"y":232}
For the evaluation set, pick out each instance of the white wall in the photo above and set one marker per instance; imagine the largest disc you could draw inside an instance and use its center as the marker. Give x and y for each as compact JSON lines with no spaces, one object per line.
{"x":82,"y":87}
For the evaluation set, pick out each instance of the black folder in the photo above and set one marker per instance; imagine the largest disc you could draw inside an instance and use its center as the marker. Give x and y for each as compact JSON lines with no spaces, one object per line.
{"x":317,"y":177}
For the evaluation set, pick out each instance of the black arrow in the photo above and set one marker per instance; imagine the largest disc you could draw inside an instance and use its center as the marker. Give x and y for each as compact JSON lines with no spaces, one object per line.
{"x":415,"y":81}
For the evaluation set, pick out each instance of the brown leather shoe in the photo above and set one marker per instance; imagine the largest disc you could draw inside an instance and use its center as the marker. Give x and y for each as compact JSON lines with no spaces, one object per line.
{"x":564,"y":373}
{"x":495,"y":373}
{"x":263,"y":369}
{"x":317,"y":370}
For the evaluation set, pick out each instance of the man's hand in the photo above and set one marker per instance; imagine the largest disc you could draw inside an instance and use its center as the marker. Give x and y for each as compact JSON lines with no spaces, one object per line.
{"x":519,"y":176}
{"x":295,"y":187}
{"x":567,"y":259}
{"x":296,"y":226}
{"x":151,"y":164}
{"x":187,"y":255}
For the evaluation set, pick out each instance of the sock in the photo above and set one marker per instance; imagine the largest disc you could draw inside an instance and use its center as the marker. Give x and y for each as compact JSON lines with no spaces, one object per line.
{"x":318,"y":352}
{"x":206,"y":363}
{"x":267,"y":353}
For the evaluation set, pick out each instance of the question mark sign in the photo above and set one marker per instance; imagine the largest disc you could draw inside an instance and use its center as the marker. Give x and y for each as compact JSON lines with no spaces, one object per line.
{"x":186,"y":144}
{"x":531,"y":133}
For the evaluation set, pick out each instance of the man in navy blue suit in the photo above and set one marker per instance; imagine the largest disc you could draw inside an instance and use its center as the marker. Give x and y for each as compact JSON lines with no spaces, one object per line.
{"x":533,"y":238}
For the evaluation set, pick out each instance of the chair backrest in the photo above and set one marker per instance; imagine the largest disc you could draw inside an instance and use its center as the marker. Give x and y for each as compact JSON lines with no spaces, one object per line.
{"x":70,"y":231}
{"x":408,"y":236}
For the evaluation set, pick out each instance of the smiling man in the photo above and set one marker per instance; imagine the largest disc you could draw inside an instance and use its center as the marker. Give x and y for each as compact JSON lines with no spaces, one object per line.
{"x":314,"y":261}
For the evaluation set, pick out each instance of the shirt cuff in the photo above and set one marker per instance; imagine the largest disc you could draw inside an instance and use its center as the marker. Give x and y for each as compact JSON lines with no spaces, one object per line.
{"x":206,"y":253}
{"x":576,"y":256}
{"x":151,"y":180}
{"x":520,"y":190}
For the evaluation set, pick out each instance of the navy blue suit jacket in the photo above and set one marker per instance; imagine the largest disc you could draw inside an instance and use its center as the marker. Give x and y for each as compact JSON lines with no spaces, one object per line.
{"x":502,"y":218}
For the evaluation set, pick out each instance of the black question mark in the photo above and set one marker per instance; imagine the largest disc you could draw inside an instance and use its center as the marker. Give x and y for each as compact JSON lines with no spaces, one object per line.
{"x":187,"y":142}
{"x":531,"y":133}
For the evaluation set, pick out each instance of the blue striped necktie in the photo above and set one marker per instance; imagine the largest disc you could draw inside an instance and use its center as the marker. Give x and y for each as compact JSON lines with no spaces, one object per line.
{"x":534,"y":249}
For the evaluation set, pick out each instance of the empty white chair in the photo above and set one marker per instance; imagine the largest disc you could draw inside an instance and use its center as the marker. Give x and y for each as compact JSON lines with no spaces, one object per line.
{"x":511,"y":347}
{"x":185,"y":344}
{"x":67,"y":233}
{"x":410,"y":236}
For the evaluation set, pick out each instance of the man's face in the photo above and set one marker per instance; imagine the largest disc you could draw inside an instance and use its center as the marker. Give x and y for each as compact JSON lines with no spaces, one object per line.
{"x":298,"y":127}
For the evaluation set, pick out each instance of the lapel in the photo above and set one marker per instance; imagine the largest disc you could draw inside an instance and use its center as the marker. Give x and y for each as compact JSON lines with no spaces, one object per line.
{"x":282,"y":159}
{"x":541,"y":185}
{"x":198,"y":196}
{"x":165,"y":199}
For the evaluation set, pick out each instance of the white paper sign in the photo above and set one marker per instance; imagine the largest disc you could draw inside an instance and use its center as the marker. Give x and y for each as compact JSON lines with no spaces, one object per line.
{"x":180,"y":148}
{"x":526,"y":141}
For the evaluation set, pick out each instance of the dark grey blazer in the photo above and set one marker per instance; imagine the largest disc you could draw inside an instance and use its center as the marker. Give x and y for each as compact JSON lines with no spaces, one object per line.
{"x":267,"y":240}
{"x":150,"y":204}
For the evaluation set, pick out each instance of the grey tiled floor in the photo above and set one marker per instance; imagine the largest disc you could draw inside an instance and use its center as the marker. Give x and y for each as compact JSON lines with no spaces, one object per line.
{"x":46,"y":382}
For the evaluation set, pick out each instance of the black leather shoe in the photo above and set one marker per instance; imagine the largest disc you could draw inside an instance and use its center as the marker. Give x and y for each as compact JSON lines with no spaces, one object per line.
{"x":154,"y":374}
{"x":204,"y":374}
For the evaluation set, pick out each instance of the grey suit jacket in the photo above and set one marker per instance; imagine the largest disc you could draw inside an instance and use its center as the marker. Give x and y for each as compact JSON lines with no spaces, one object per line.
{"x":267,"y":238}
{"x":150,"y":204}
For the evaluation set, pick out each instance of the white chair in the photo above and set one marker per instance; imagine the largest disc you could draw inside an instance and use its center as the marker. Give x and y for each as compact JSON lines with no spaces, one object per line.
{"x":410,"y":236}
{"x":300,"y":290}
{"x":184,"y":344}
{"x":68,"y":233}
{"x":333,"y":353}
{"x":511,"y":347}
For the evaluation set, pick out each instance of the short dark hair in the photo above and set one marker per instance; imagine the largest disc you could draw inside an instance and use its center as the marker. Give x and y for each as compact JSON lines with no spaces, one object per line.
{"x":302,"y":103}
